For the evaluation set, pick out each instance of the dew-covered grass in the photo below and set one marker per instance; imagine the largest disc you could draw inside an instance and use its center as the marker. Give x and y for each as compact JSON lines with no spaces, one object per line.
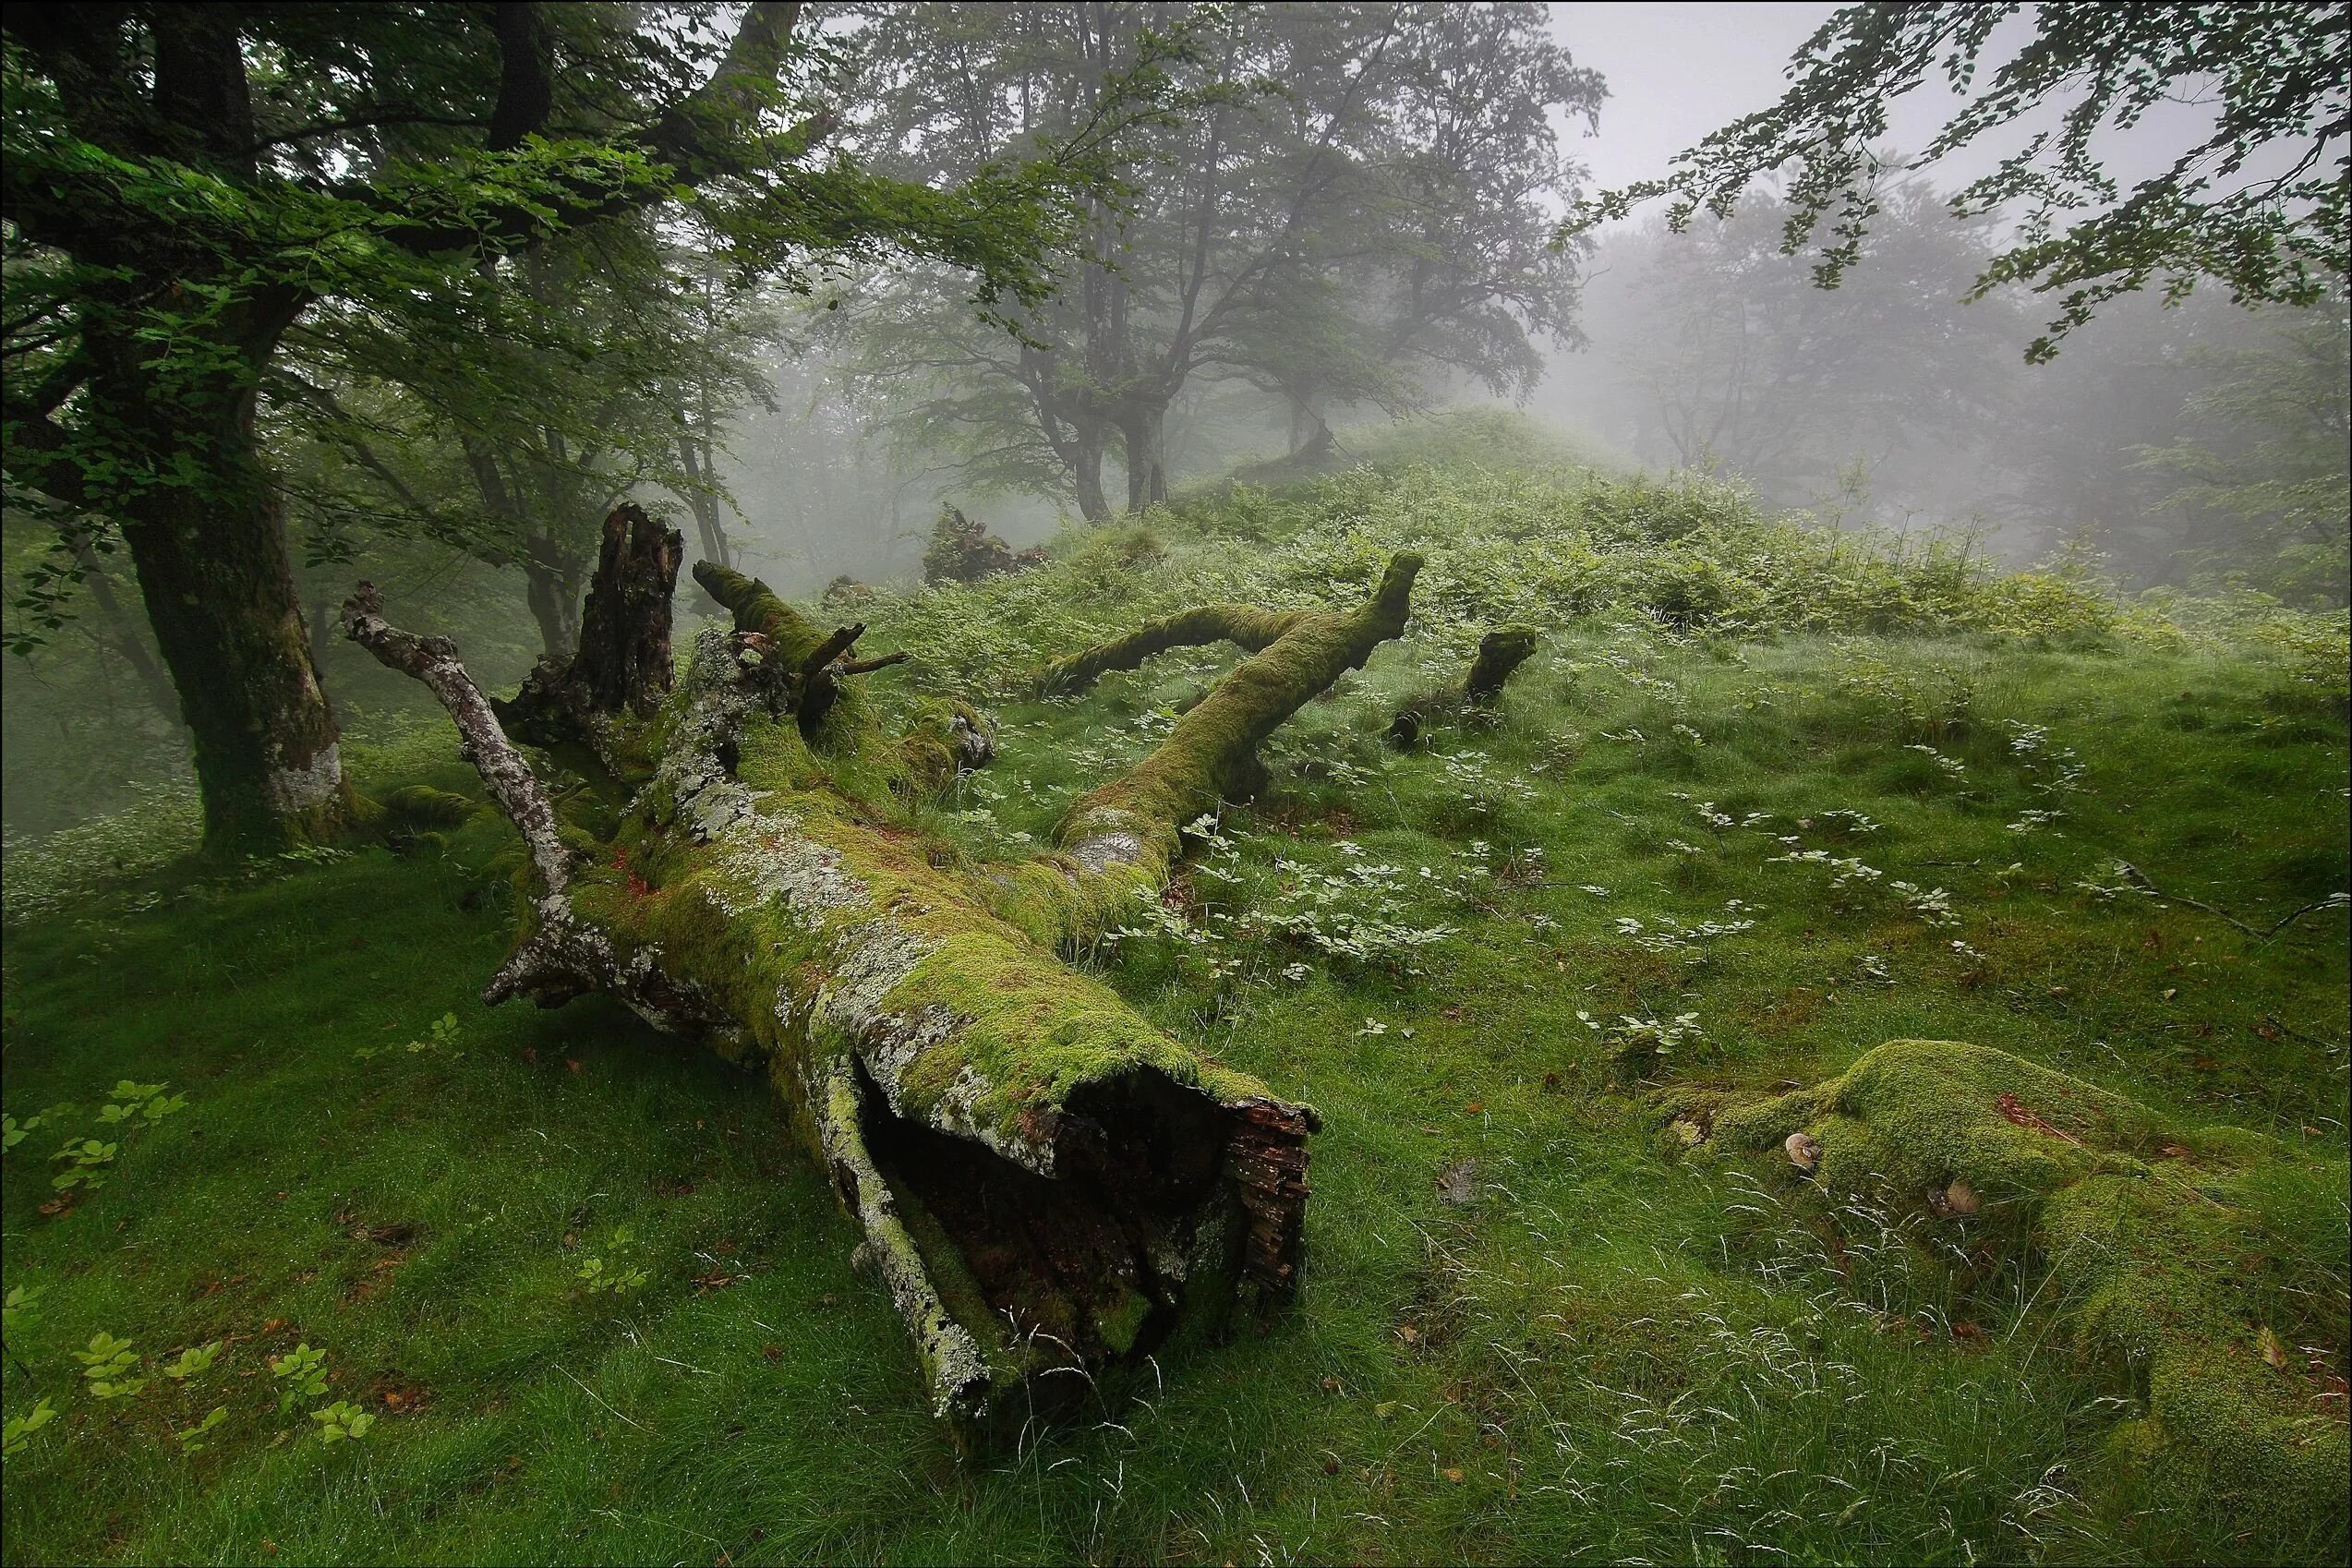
{"x":1728,"y":842}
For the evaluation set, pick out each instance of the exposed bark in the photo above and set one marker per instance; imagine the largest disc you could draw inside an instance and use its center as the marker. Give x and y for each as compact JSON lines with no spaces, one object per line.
{"x":621,"y":660}
{"x":1046,"y":1182}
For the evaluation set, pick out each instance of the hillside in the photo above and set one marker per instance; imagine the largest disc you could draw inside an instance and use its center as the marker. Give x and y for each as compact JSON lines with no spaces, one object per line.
{"x":1765,"y":799}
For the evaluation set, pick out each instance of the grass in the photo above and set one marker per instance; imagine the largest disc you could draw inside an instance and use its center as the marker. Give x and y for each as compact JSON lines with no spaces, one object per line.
{"x":1529,"y":1330}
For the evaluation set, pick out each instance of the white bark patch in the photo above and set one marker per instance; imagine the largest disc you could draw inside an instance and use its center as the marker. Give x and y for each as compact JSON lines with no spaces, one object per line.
{"x":294,"y":790}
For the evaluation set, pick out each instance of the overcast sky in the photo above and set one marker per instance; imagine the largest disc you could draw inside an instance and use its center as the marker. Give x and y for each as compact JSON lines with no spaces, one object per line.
{"x":1676,"y":72}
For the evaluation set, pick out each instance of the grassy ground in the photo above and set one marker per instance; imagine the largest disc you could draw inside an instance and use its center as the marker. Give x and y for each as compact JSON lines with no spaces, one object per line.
{"x":1528,"y":1331}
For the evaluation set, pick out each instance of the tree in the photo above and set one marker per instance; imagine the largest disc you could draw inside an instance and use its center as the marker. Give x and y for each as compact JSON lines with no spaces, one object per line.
{"x":1048,"y":1184}
{"x":1715,"y":349}
{"x":602,"y":364}
{"x":1353,"y":195}
{"x":184,"y":183}
{"x":2257,"y":203}
{"x":2260,"y":464}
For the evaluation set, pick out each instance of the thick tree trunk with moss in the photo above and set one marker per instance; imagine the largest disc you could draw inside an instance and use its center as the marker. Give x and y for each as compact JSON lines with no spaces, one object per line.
{"x":220,"y":594}
{"x":1049,"y":1186}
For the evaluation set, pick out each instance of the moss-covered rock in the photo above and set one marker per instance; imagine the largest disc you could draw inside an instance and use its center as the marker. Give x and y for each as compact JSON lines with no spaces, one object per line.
{"x":2163,"y":1249}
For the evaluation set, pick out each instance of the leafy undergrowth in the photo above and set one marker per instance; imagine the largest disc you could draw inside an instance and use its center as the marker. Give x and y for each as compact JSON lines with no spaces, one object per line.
{"x":1735,"y":826}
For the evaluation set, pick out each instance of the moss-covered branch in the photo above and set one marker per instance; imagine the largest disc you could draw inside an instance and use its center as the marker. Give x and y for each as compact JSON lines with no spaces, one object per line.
{"x":1242,"y":625}
{"x":1045,"y":1181}
{"x":1500,"y":652}
{"x":1126,"y":835}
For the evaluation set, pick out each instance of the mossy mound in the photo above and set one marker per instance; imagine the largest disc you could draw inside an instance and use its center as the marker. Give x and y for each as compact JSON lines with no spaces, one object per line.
{"x":420,"y":806}
{"x":2182,"y":1258}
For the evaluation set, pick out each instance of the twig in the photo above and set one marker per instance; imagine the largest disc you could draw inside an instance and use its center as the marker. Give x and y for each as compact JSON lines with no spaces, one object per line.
{"x":2140,"y":879}
{"x":868,"y":665}
{"x":833,"y":647}
{"x":592,"y":1393}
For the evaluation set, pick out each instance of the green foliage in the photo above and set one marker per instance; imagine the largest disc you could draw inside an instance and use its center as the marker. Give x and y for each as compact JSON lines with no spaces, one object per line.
{"x":106,"y":1368}
{"x":341,"y":1422}
{"x":2157,"y":1252}
{"x":301,"y":1373}
{"x":441,"y":1038}
{"x":86,"y":1159}
{"x":18,"y":1432}
{"x":1334,"y":204}
{"x":1506,"y":1278}
{"x":2263,"y":460}
{"x":194,"y":1361}
{"x":191,"y":1439}
{"x":2277,"y":73}
{"x":616,"y":1276}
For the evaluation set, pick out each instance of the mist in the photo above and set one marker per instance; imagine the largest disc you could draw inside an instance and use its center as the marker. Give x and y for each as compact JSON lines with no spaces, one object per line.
{"x":1147,"y":781}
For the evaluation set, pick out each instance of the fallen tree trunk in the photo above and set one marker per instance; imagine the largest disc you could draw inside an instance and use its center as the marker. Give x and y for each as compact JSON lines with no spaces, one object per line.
{"x":1047,"y":1184}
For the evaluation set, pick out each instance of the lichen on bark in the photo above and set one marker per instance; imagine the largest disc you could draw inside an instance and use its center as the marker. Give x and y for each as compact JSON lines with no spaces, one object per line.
{"x":1046,"y":1181}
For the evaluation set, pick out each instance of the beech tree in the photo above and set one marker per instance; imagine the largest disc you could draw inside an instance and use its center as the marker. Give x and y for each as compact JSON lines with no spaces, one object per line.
{"x":1723,"y":353}
{"x":183,"y":183}
{"x":1375,"y":218}
{"x":602,"y":364}
{"x":1047,"y":1184}
{"x":2260,"y":200}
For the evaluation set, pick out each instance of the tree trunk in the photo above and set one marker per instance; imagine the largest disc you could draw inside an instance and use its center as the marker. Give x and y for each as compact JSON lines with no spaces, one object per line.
{"x":1499,"y":652}
{"x":197,"y":512}
{"x":1093,"y":502}
{"x":220,"y":596}
{"x":1144,"y":430}
{"x":553,"y":592}
{"x":123,"y":635}
{"x":1047,"y":1185}
{"x":696,"y":456}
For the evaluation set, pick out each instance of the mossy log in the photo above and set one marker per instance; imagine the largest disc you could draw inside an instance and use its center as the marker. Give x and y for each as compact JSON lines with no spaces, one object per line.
{"x":1049,"y":1186}
{"x":1499,"y":652}
{"x":1127,"y":834}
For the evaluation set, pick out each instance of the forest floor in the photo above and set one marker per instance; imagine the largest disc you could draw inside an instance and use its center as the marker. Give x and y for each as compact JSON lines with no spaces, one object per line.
{"x":600,"y":1307}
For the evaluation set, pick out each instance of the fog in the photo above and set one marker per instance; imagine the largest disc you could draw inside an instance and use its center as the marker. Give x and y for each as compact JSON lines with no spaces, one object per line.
{"x":1889,"y":402}
{"x":1303,"y":228}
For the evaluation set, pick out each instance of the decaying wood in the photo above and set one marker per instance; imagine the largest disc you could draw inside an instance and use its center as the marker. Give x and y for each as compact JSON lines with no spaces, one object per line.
{"x":1500,"y":652}
{"x":1046,"y":1182}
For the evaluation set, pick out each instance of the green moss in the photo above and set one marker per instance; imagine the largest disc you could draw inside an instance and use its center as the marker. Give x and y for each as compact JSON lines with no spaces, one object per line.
{"x":421,"y":805}
{"x":1924,"y":1112}
{"x":2163,"y":1248}
{"x":1120,"y":1322}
